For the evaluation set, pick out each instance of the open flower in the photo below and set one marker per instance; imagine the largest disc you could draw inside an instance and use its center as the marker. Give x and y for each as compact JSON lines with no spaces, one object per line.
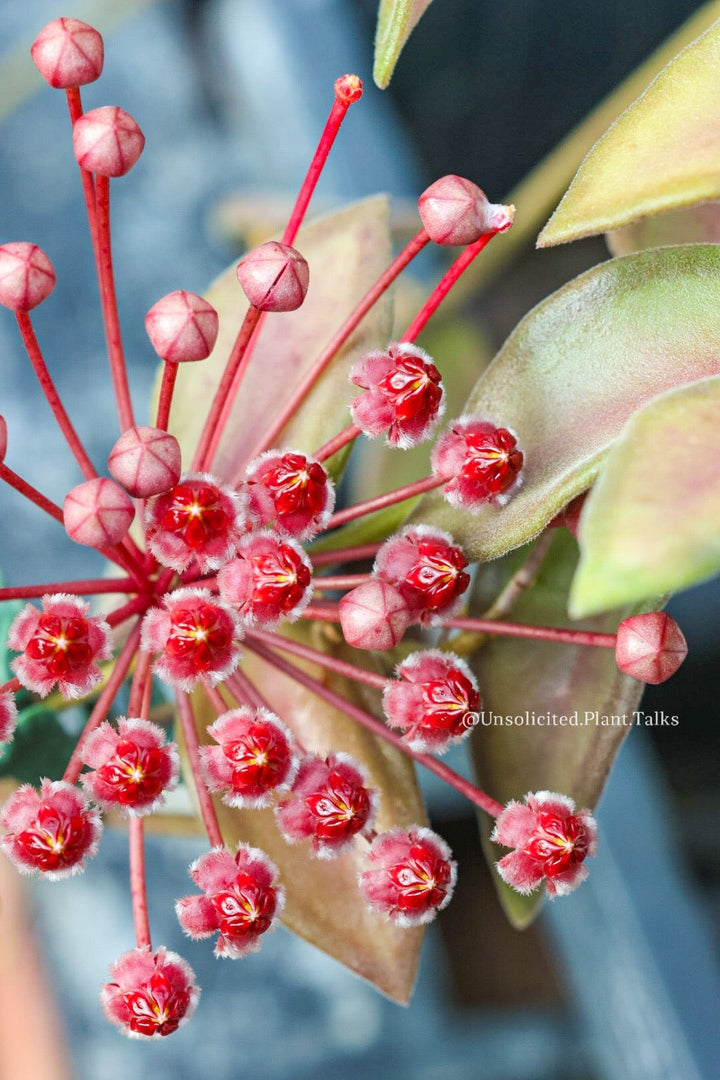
{"x":412,"y":875}
{"x":195,"y":637}
{"x":483,"y":463}
{"x":151,"y":994}
{"x":290,"y":491}
{"x":270,"y":580}
{"x":428,"y":570}
{"x":52,"y":831}
{"x":433,"y":700}
{"x":254,"y":758}
{"x":131,"y":766}
{"x":198,"y":521}
{"x":330,"y":802}
{"x":404,"y":398}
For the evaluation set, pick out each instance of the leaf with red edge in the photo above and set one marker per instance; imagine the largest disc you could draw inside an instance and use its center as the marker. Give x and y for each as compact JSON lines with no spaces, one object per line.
{"x":346,"y":251}
{"x":574,"y":371}
{"x":520,"y":677}
{"x":323,"y":902}
{"x":395,"y":22}
{"x":661,"y":154}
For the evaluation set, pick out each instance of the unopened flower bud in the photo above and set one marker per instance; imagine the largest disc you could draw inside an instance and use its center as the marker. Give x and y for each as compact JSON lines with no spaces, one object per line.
{"x":650,"y":647}
{"x":97,"y":513}
{"x":348,"y":89}
{"x":374,"y":616}
{"x":145,"y":461}
{"x":455,"y":211}
{"x":107,"y":141}
{"x":68,"y":53}
{"x":274,"y":277}
{"x":27,"y":276}
{"x":182,"y":327}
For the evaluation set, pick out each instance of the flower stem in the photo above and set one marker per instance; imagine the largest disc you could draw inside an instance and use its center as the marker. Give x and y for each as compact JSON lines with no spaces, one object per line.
{"x":245,"y":691}
{"x":347,"y":435}
{"x":133,"y":607}
{"x":477,"y":797}
{"x":539,"y":633}
{"x":138,"y":891}
{"x":409,"y":491}
{"x":108,"y":303}
{"x":341,"y":581}
{"x":331,"y":663}
{"x":207,"y":810}
{"x":342,"y":555}
{"x":167,"y":387}
{"x":31,"y":493}
{"x":74,"y":102}
{"x":140,"y":683}
{"x":53,"y":398}
{"x":215,"y":698}
{"x":89,"y":587}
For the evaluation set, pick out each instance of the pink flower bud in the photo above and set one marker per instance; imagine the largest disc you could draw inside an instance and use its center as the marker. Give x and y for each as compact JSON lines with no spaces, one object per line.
{"x":551,"y":843}
{"x":290,"y":491}
{"x":434,"y":700}
{"x":195,"y":637}
{"x":97,"y":513}
{"x":107,"y":141}
{"x":330,"y":802}
{"x":455,"y":211}
{"x":132,"y":767}
{"x":255,"y":757}
{"x":270,"y":580}
{"x":412,"y":875}
{"x":650,"y":647}
{"x":61,"y":645}
{"x":198,"y":521}
{"x":404,"y":395}
{"x":374,"y":616}
{"x":68,"y":53}
{"x":428,"y":570}
{"x":242,"y":899}
{"x":8,"y":717}
{"x":481,"y":461}
{"x":27,"y":276}
{"x":182,"y":327}
{"x":52,"y":831}
{"x":145,"y":461}
{"x":274,"y":277}
{"x":151,"y":994}
{"x":348,"y":89}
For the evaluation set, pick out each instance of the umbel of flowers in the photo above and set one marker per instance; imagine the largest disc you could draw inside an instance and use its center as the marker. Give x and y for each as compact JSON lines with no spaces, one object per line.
{"x":213,"y":568}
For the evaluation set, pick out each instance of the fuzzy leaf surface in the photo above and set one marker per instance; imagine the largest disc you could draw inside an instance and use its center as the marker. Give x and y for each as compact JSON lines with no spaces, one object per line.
{"x":575,"y":370}
{"x":662,"y":153}
{"x":395,"y":22}
{"x":650,"y":524}
{"x":323,"y":902}
{"x":346,"y":251}
{"x":519,"y":676}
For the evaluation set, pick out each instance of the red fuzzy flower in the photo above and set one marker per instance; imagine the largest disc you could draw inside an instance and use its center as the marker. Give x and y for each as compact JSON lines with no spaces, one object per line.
{"x":482,"y":461}
{"x":51,"y":831}
{"x":133,"y":768}
{"x":242,"y":900}
{"x":330,"y":802}
{"x":412,"y":875}
{"x":290,"y":491}
{"x":551,"y":843}
{"x":404,"y":395}
{"x":427,"y":568}
{"x":198,"y":521}
{"x":254,"y":759}
{"x":60,"y":645}
{"x":195,"y":635}
{"x":269,"y":580}
{"x":433,"y":701}
{"x":8,"y":718}
{"x":151,"y":994}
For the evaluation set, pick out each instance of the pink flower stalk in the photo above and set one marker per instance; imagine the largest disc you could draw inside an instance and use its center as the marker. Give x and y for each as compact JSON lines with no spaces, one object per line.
{"x":195,"y":636}
{"x":198,"y":522}
{"x":242,"y":900}
{"x":270,"y":580}
{"x":151,"y":994}
{"x":650,"y":647}
{"x":481,"y":461}
{"x":290,"y":491}
{"x":254,"y":760}
{"x":428,"y":570}
{"x":551,"y":843}
{"x":51,"y":832}
{"x":330,"y":802}
{"x":404,"y":398}
{"x":274,"y":277}
{"x":412,"y":875}
{"x":97,"y":513}
{"x":60,"y":645}
{"x":132,"y":767}
{"x":8,"y":718}
{"x":27,"y":276}
{"x":145,"y":461}
{"x":68,"y":53}
{"x":434,"y":702}
{"x":182,"y":327}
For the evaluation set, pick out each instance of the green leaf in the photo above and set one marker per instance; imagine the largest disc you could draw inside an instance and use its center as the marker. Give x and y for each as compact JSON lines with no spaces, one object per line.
{"x":323,"y":902}
{"x":396,"y":21}
{"x":40,"y":747}
{"x":662,"y":153}
{"x":575,"y":370}
{"x":535,"y":678}
{"x":650,"y":524}
{"x":346,"y":251}
{"x":695,"y":225}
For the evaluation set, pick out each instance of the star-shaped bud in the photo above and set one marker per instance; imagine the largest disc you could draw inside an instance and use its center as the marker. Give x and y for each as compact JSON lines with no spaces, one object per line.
{"x":145,"y":461}
{"x":97,"y":513}
{"x":274,"y":277}
{"x":68,"y":53}
{"x":182,"y":327}
{"x":107,"y":141}
{"x":650,"y":647}
{"x":27,"y":276}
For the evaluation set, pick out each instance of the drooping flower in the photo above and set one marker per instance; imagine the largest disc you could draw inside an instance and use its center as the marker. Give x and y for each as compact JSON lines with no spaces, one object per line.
{"x":412,"y":875}
{"x":433,"y":700}
{"x":551,"y":842}
{"x":254,"y":758}
{"x":242,"y":900}
{"x":404,"y":397}
{"x":330,"y":801}
{"x":52,"y":831}
{"x":428,"y":570}
{"x":132,"y":767}
{"x":61,"y":645}
{"x":151,"y":994}
{"x":198,"y":522}
{"x":290,"y":491}
{"x":195,"y":636}
{"x":481,"y":461}
{"x":269,"y":580}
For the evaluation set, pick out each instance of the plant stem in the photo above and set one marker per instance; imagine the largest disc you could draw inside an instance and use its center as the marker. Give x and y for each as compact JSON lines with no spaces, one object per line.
{"x":341,"y":555}
{"x":341,"y":581}
{"x":331,"y":663}
{"x":347,"y":435}
{"x":207,"y":810}
{"x":74,"y":102}
{"x":165,"y":397}
{"x":89,"y":587}
{"x":108,"y":303}
{"x":538,"y":633}
{"x":380,"y":502}
{"x":138,"y":891}
{"x":31,"y":493}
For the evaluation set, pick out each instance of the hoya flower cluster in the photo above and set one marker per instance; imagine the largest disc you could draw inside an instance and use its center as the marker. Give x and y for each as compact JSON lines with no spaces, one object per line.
{"x":207,"y":568}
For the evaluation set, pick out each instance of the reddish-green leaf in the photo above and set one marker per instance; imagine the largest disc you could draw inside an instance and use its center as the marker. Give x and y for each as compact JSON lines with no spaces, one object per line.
{"x":575,"y":370}
{"x":652,"y":522}
{"x":695,"y":225}
{"x":396,"y":21}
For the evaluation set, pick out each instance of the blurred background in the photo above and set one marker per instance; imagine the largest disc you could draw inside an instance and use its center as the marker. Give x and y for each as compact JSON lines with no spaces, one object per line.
{"x":619,"y":980}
